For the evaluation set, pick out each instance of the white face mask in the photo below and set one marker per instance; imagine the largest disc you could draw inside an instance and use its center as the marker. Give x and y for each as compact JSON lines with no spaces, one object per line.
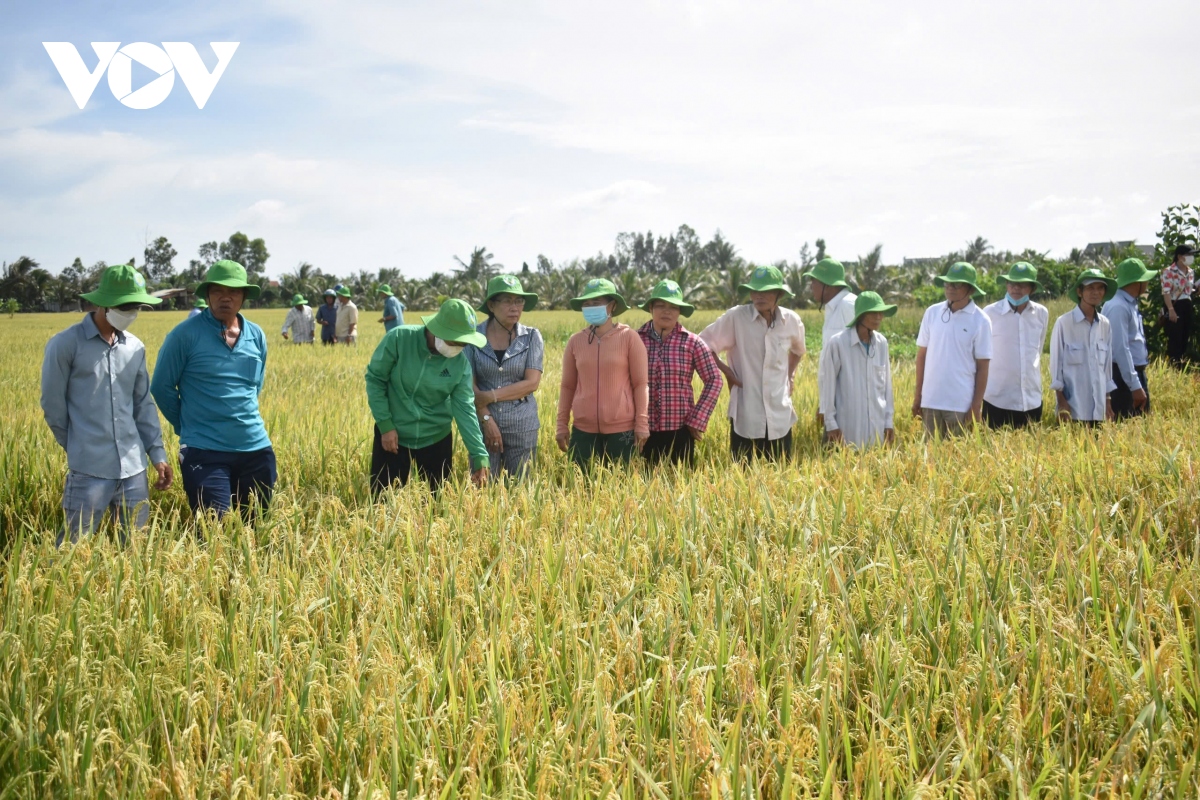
{"x":121,"y":320}
{"x":1189,"y":260}
{"x":447,"y":349}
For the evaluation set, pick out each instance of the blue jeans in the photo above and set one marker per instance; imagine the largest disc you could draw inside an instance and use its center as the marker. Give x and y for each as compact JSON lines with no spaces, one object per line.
{"x":214,"y":480}
{"x":85,"y":499}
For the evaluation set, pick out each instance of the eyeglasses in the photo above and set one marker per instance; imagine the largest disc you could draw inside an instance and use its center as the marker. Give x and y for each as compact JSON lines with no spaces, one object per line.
{"x":509,"y":301}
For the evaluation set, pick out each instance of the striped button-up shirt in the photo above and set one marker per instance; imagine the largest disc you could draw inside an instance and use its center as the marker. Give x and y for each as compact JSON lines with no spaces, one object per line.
{"x":300,"y":320}
{"x":1081,"y":363}
{"x":855,"y":383}
{"x":671,"y":363}
{"x":526,"y":352}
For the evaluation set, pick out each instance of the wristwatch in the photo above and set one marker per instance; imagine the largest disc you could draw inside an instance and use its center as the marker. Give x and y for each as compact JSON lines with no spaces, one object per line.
{"x":486,"y":418}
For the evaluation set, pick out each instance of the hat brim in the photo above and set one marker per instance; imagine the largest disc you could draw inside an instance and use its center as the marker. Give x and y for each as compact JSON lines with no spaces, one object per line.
{"x":746,"y":288}
{"x":102,"y":300}
{"x":1110,"y":289}
{"x":812,"y":275}
{"x":941,"y":280}
{"x":1147,"y":275}
{"x":1010,"y":279}
{"x":576,"y":303}
{"x":389,"y":294}
{"x":447,"y":334}
{"x":885,"y":309}
{"x":530,"y":300}
{"x":684,"y":308}
{"x":252,"y":290}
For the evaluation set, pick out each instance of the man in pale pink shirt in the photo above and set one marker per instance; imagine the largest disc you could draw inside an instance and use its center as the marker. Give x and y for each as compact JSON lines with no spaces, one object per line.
{"x":605,"y":384}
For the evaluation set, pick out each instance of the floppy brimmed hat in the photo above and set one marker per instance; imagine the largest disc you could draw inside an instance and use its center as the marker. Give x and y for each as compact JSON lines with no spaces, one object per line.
{"x":766,"y":279}
{"x":344,"y":291}
{"x":1022,"y":272}
{"x":200,"y":303}
{"x":1133,"y":270}
{"x":508,"y":284}
{"x":1089,"y":275}
{"x":455,"y":322}
{"x":668,"y":292}
{"x":867,"y":303}
{"x":829,"y":272}
{"x":120,"y":284}
{"x":961,"y":272}
{"x":600,"y":287}
{"x":229,"y":274}
{"x":384,"y":289}
{"x":299,"y":300}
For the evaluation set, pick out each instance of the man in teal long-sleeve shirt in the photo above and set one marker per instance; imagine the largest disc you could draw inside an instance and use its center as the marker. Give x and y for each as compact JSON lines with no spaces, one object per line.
{"x":417,"y":382}
{"x":206,"y":382}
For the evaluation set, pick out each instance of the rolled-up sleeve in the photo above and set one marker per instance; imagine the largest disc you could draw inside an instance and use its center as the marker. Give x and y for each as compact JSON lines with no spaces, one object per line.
{"x":56,"y":371}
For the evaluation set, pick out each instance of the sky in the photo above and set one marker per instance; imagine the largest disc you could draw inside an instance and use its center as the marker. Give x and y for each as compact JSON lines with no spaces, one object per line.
{"x":363,"y":135}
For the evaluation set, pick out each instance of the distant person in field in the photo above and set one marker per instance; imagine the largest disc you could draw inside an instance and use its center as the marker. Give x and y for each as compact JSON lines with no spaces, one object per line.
{"x":954,"y":346}
{"x":299,"y":321}
{"x":855,"y":378}
{"x":1014,"y":383}
{"x":827,"y":281}
{"x":327,"y":317}
{"x":418,"y":381}
{"x":199,"y":306}
{"x":1081,"y":347}
{"x":393,"y":309}
{"x":604,"y":398}
{"x":508,"y":371}
{"x":764,"y":343}
{"x":674,"y":354}
{"x":96,"y":400}
{"x":1130,"y":356}
{"x":347,"y":318}
{"x":1178,"y":286}
{"x":207,"y":379}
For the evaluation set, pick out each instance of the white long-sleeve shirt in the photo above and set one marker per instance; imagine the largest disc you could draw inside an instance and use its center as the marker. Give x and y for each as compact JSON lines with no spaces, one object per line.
{"x":855,"y":382}
{"x":1081,"y":363}
{"x":300,"y":320}
{"x":1015,"y":373}
{"x":839,"y":315}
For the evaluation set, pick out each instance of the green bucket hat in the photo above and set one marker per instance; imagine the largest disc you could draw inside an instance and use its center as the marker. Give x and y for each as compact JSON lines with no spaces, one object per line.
{"x":200,"y":303}
{"x":299,"y":300}
{"x":961,"y":272}
{"x":120,"y":284}
{"x":1133,"y":270}
{"x":508,"y":284}
{"x":766,"y":279}
{"x":600,"y":287}
{"x":668,"y":292}
{"x":229,"y":274}
{"x":455,"y":322}
{"x":385,"y":289}
{"x":1093,"y":275}
{"x":829,"y":272}
{"x":1022,"y":272}
{"x":344,"y":291}
{"x":868,"y":302}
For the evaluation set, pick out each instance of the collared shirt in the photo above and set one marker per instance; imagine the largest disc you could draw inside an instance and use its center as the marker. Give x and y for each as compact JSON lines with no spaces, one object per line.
{"x":195,"y":312}
{"x":671,"y":363}
{"x":96,"y":400}
{"x":855,"y":382}
{"x":526,"y":352}
{"x":328,"y":315}
{"x":839,"y":315}
{"x":208,"y":390}
{"x":1178,"y":282}
{"x":954,"y":341}
{"x":347,"y":315}
{"x":300,"y":320}
{"x":1081,"y":363}
{"x":1128,"y":340}
{"x":1015,"y":372}
{"x":761,"y":408}
{"x":392,"y":307}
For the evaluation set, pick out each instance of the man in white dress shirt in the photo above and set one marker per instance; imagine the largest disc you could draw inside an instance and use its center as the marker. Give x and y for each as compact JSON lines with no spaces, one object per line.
{"x":1081,"y":353}
{"x":855,"y":378}
{"x":827,"y":282}
{"x":1014,"y":385}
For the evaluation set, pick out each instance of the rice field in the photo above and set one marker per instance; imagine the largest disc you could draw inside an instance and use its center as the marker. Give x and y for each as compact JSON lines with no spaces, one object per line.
{"x":1004,"y":615}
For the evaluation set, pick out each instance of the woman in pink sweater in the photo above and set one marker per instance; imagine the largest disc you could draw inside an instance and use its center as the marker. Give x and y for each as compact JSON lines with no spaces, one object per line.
{"x":604,"y":382}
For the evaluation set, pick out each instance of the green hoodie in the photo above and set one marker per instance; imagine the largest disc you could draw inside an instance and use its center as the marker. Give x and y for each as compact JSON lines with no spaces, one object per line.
{"x":416,"y":393}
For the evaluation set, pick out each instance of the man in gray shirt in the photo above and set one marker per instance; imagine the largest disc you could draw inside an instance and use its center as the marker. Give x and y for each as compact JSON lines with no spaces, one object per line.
{"x":96,"y":400}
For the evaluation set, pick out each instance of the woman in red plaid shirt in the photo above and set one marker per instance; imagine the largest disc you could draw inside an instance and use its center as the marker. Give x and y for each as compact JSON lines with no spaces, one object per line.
{"x":677,"y":421}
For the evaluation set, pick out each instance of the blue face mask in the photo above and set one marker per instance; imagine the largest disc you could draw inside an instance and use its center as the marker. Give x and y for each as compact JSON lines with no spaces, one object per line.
{"x":595,"y":315}
{"x":1017,"y":303}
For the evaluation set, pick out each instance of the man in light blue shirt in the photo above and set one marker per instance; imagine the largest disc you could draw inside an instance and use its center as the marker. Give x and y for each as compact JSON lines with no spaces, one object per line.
{"x":393,"y":309}
{"x":96,"y":400}
{"x":1131,"y":398}
{"x":207,"y":379}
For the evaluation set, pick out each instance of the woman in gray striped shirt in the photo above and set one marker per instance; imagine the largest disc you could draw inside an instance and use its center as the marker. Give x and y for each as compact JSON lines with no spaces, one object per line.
{"x":507,"y":371}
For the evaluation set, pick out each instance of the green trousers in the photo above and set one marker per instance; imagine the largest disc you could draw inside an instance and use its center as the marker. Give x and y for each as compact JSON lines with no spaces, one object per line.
{"x":586,"y":447}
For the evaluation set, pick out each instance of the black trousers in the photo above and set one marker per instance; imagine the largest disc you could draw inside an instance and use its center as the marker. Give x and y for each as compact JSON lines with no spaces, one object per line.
{"x":997,"y":417}
{"x":433,"y":462}
{"x":1122,"y":398}
{"x":675,"y":446}
{"x":1179,"y":332}
{"x":743,"y":448}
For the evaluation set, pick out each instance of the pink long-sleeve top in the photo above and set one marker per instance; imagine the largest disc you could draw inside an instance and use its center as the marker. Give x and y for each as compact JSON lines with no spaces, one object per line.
{"x":605,"y":383}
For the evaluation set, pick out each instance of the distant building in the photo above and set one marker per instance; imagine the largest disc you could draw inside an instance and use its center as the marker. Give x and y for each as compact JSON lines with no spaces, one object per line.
{"x":1097,"y":250}
{"x":921,"y":263}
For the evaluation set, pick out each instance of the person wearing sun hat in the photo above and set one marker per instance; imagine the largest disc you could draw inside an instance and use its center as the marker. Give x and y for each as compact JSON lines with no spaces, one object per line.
{"x":346,"y":328}
{"x":1178,"y":286}
{"x":508,"y":371}
{"x":1130,"y":354}
{"x":677,"y":420}
{"x":209,"y":373}
{"x":1081,"y":373}
{"x":327,"y":317}
{"x":603,"y":396}
{"x":418,"y":382}
{"x":393,"y":309}
{"x":299,"y":321}
{"x":855,"y":378}
{"x":827,"y":280}
{"x":956,"y":338}
{"x":764,"y":343}
{"x":1014,"y":386}
{"x":96,"y":401}
{"x":198,"y":306}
